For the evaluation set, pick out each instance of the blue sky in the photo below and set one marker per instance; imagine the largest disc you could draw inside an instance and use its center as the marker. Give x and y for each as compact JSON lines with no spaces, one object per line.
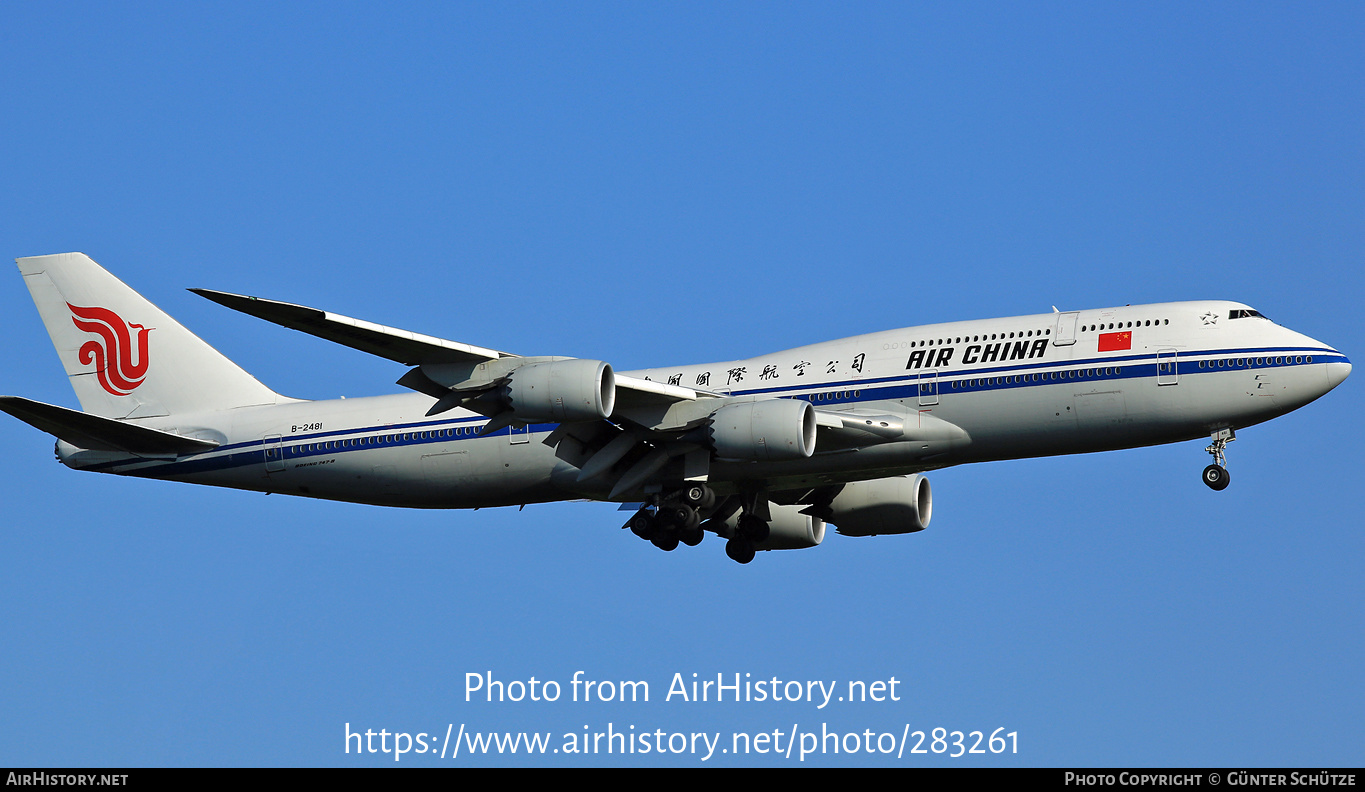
{"x":659,"y":184}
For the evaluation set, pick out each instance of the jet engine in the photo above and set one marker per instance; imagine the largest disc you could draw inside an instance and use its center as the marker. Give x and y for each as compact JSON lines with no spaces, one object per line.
{"x":788,"y":529}
{"x":896,"y":505}
{"x":761,"y":431}
{"x":563,"y":390}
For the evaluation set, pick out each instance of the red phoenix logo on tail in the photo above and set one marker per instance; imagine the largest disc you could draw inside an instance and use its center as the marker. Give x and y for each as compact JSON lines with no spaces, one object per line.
{"x":113,"y":354}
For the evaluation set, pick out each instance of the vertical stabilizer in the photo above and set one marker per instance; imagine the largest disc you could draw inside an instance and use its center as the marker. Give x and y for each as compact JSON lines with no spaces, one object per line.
{"x":127,"y":358}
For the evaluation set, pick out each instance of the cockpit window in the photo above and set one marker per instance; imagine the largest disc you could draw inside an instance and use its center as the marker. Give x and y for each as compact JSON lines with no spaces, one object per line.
{"x":1244,"y":313}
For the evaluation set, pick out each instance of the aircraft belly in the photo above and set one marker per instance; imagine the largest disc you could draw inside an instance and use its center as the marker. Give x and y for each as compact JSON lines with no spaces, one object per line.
{"x":1071,"y":417}
{"x":1246,"y":397}
{"x":488,"y":472}
{"x":465,"y":474}
{"x":1037,"y":420}
{"x":1101,"y":412}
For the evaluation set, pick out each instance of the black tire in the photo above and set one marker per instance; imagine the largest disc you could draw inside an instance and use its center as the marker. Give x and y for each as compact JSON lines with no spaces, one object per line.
{"x":683,"y":517}
{"x":1216,"y":476}
{"x":754,"y":528}
{"x":699,"y":496}
{"x":643,"y":525}
{"x":740,"y":550}
{"x":692,"y":536}
{"x":667,"y":542}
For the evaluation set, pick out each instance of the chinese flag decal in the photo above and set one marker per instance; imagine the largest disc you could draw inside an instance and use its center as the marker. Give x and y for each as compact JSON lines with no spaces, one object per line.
{"x":1114,"y":342}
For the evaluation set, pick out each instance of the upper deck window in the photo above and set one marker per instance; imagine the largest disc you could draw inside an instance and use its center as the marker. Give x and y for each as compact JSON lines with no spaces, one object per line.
{"x":1243,"y":313}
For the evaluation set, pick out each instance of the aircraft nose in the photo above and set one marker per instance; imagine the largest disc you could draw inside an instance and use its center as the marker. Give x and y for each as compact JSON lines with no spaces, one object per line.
{"x":1337,"y":372}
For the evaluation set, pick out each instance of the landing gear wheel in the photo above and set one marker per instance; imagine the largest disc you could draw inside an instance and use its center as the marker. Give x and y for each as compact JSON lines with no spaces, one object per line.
{"x":1216,"y":477}
{"x":699,"y":496}
{"x":691,"y":536}
{"x":666,"y":542}
{"x":643,"y":525}
{"x":755,"y":529}
{"x":740,"y":550}
{"x":684,"y":517}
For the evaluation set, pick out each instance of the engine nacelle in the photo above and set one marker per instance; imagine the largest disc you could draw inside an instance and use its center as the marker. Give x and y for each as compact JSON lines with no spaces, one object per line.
{"x":896,"y":505}
{"x":788,"y":529}
{"x":564,"y":390}
{"x":762,"y":431}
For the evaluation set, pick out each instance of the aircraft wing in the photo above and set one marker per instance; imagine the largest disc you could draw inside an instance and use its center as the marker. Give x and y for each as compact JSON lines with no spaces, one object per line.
{"x":635,"y":393}
{"x":447,"y":364}
{"x":408,"y":348}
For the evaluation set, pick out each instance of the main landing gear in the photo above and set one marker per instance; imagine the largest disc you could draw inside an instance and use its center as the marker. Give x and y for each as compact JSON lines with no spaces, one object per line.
{"x":676,"y":518}
{"x":1216,"y":475}
{"x":668,"y":526}
{"x":751,"y":530}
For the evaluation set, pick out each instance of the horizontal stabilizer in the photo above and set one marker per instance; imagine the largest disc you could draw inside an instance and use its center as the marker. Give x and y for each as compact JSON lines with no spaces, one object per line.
{"x":92,"y":432}
{"x":412,"y":349}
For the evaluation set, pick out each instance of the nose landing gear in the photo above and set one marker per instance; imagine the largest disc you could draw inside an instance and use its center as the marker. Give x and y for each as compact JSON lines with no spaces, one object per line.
{"x":1216,"y":475}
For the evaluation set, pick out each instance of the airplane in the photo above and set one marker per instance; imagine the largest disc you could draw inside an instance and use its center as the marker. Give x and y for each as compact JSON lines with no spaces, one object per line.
{"x":764,"y":452}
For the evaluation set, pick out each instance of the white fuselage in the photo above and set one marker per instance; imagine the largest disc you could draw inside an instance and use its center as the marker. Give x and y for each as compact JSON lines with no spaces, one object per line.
{"x":1027,"y":386}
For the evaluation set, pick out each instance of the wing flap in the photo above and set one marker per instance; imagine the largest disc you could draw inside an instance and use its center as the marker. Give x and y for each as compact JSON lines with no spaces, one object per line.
{"x":649,"y":390}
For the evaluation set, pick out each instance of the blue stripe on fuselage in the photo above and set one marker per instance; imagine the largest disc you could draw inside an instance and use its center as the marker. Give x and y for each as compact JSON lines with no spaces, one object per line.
{"x":843,"y":392}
